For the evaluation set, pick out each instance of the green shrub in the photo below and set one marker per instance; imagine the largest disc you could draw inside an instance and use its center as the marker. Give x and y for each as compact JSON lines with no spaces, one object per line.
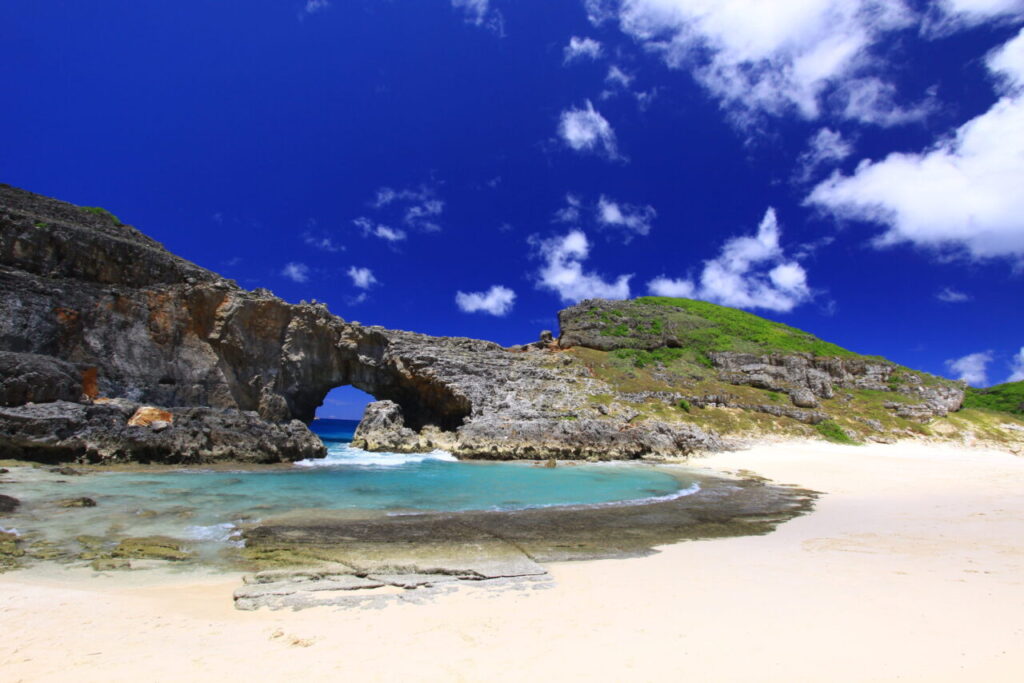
{"x":1004,"y":398}
{"x":833,"y":432}
{"x":100,"y":211}
{"x":683,"y":404}
{"x":642,"y":358}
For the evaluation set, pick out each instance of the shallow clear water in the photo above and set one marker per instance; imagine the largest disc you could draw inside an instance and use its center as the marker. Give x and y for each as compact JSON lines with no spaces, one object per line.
{"x":207,"y":504}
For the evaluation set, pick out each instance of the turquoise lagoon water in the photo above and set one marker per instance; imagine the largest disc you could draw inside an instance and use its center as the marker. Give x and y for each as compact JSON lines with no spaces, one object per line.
{"x":208,"y":505}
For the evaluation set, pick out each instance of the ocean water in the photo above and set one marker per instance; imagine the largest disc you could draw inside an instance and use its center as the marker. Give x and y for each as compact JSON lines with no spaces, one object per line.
{"x":207,"y":505}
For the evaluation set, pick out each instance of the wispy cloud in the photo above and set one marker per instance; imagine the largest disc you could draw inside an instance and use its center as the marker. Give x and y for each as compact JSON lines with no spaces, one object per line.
{"x":418,"y":208}
{"x":497,"y":300}
{"x":384,"y":232}
{"x":480,"y":13}
{"x":750,"y":272}
{"x":630,"y":219}
{"x":826,"y":147}
{"x":314,"y":6}
{"x":581,"y":48}
{"x":562,"y":271}
{"x":585,"y":130}
{"x":972,"y":368}
{"x":570,"y":213}
{"x":952,"y":296}
{"x":322,"y":242}
{"x":296,"y":272}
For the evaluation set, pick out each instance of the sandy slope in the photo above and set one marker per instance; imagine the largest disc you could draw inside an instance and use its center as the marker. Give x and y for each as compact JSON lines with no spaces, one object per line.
{"x":911,"y":568}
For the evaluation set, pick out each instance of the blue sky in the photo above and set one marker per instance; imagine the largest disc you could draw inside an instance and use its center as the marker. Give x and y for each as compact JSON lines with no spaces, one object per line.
{"x":851,"y":167}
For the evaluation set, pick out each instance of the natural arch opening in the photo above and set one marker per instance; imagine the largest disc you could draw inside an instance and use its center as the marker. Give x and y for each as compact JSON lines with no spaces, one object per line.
{"x":344,"y":403}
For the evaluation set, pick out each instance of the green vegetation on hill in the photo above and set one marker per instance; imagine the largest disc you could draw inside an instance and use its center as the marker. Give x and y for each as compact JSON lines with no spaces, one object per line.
{"x":1005,"y":398}
{"x":707,"y":327}
{"x":100,"y":211}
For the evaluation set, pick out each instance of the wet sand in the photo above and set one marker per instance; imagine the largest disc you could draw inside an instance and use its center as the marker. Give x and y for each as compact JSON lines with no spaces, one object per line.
{"x":910,"y":567}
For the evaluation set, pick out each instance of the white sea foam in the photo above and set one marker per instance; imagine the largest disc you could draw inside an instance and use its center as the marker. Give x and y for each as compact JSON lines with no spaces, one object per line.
{"x":220,"y":533}
{"x":346,"y":455}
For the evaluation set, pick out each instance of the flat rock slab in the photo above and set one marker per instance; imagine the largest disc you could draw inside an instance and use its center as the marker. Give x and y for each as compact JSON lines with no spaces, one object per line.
{"x":304,"y":588}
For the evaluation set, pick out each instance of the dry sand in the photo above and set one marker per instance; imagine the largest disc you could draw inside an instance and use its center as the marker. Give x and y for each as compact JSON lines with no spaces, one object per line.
{"x":911,"y":568}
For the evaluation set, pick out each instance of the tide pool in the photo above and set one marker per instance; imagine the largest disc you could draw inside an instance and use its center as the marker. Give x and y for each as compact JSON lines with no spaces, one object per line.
{"x":207,"y":505}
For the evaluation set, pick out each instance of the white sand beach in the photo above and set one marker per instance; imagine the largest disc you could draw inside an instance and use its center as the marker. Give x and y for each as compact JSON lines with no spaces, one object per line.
{"x":910,"y":568}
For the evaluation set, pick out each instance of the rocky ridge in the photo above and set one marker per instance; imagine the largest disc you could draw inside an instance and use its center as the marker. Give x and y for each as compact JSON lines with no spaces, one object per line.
{"x":93,"y":309}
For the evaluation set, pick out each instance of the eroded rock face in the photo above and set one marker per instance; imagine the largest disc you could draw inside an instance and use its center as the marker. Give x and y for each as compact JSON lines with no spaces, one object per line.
{"x":113,"y":315}
{"x":805,"y":377}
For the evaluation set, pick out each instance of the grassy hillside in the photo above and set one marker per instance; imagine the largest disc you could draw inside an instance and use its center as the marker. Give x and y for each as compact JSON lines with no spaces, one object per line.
{"x":1004,"y":398}
{"x":653,"y":352}
{"x":706,"y":327}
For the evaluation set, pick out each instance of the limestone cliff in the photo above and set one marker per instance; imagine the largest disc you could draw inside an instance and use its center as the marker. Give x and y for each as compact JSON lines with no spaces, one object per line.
{"x":94,"y":309}
{"x":98,"y":321}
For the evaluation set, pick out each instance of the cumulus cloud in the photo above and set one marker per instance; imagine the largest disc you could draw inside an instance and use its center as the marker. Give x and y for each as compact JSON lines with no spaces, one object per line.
{"x":952,"y":296}
{"x":581,"y":48}
{"x":296,"y":272}
{"x":497,"y":300}
{"x":962,"y":194}
{"x":362,"y":277}
{"x":824,"y":148}
{"x":972,"y":368}
{"x":872,"y":100}
{"x":1017,"y":367}
{"x":585,"y":130}
{"x":630,"y":218}
{"x":769,"y":57}
{"x":562,"y":271}
{"x":750,"y":272}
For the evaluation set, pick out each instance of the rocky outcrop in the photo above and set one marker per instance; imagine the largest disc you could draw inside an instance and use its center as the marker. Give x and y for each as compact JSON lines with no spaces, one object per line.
{"x":104,"y":312}
{"x":100,"y":433}
{"x":805,"y":377}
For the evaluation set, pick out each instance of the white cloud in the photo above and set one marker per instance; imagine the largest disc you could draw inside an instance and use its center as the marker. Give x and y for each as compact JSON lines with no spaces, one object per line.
{"x":480,"y":13}
{"x":563,"y":272}
{"x":952,"y":296}
{"x":872,"y":100}
{"x":825,"y":147}
{"x":362,"y":277}
{"x":947,"y":16}
{"x":962,"y":194}
{"x":497,"y":300}
{"x":581,"y":48}
{"x":314,"y":6}
{"x":297,"y":272}
{"x":570,"y":213}
{"x":765,"y":57}
{"x":585,"y":130}
{"x":632,"y":219}
{"x":419,"y":208}
{"x":1017,"y":367}
{"x":750,"y":272}
{"x":322,"y":242}
{"x":971,"y":368}
{"x":618,"y":78}
{"x":600,"y":11}
{"x":384,"y":232}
